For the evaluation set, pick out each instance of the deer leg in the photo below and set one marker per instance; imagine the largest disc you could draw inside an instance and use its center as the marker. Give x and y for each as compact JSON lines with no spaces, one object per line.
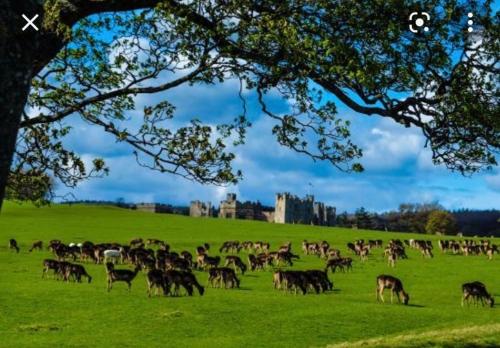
{"x":392,"y":295}
{"x":381,"y":293}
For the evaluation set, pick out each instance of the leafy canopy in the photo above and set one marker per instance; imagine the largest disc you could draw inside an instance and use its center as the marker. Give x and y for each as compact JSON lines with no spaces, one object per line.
{"x":314,"y":54}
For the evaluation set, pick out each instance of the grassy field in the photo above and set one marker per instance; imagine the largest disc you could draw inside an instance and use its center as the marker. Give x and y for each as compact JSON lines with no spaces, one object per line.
{"x":42,"y":313}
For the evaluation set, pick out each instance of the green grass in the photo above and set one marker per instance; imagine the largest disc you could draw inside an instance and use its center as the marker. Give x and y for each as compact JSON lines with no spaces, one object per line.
{"x":42,"y":313}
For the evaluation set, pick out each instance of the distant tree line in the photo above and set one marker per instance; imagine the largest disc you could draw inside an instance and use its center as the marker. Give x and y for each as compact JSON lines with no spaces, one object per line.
{"x":121,"y":203}
{"x":425,"y":218}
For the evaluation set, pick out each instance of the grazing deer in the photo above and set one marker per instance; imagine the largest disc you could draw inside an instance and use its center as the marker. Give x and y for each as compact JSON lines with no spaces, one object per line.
{"x":425,"y":250}
{"x":333,"y":264}
{"x":186,"y":255}
{"x":477,"y":291}
{"x":49,"y":264}
{"x":491,"y":250}
{"x":13,"y":245}
{"x":156,"y":279}
{"x":136,"y":242}
{"x":36,"y":245}
{"x":120,"y":275}
{"x":395,"y":285}
{"x":285,"y":258}
{"x":352,"y":248}
{"x":62,"y":270}
{"x":391,"y":259}
{"x":333,"y":253}
{"x":320,"y":279}
{"x":255,"y":263}
{"x":77,"y":271}
{"x":294,"y":280}
{"x":204,"y":261}
{"x":363,"y":253}
{"x":247,"y":245}
{"x":223,"y":275}
{"x":285,"y":248}
{"x":230,"y":246}
{"x":201,"y":251}
{"x":277,"y":279}
{"x":185,"y":279}
{"x":236,"y":262}
{"x":153,"y":241}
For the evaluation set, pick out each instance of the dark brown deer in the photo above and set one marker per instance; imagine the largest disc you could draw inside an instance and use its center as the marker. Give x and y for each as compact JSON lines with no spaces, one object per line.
{"x":255,"y":263}
{"x":395,"y":285}
{"x":476,"y":291}
{"x":186,"y":280}
{"x":136,"y":242}
{"x":223,"y":275}
{"x":157,"y":279}
{"x":120,"y":275}
{"x":77,"y":272}
{"x":13,"y":245}
{"x":320,"y":279}
{"x":49,"y":264}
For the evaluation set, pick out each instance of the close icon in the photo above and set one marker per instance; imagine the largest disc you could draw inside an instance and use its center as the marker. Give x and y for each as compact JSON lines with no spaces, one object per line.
{"x":30,"y":22}
{"x":419,"y":21}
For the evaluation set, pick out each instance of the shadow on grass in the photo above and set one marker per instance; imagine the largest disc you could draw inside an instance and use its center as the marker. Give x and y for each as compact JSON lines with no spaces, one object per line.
{"x":415,"y":305}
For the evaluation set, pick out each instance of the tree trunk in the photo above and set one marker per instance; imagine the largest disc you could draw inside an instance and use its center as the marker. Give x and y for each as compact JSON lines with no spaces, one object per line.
{"x":18,"y":52}
{"x":13,"y":95}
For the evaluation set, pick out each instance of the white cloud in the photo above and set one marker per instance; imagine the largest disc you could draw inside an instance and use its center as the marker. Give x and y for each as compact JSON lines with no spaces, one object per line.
{"x":389,"y":146}
{"x":493,"y":182}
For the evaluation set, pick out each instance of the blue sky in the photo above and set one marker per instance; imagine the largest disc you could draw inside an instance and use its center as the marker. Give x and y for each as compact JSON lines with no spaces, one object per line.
{"x":398,"y":168}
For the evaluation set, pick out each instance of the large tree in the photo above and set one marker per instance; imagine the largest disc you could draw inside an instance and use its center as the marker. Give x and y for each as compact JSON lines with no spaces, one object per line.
{"x":441,"y":221}
{"x":92,"y":58}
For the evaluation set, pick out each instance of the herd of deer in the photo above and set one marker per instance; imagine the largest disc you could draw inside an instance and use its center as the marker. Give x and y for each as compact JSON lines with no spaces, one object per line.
{"x":168,"y":271}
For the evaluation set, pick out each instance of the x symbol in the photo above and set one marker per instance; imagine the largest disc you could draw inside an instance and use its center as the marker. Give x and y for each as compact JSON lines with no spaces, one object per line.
{"x":30,"y":22}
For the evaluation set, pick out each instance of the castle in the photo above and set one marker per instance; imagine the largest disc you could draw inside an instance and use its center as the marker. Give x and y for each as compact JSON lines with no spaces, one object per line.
{"x":289,"y":209}
{"x":231,"y":208}
{"x":200,"y":209}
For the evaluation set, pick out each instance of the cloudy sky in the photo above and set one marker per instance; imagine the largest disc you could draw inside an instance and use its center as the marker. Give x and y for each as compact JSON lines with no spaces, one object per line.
{"x":398,"y":168}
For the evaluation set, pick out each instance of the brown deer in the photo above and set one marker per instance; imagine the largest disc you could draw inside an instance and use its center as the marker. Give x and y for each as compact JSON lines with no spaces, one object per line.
{"x":395,"y":285}
{"x":236,"y":262}
{"x":391,"y":259}
{"x":36,"y":245}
